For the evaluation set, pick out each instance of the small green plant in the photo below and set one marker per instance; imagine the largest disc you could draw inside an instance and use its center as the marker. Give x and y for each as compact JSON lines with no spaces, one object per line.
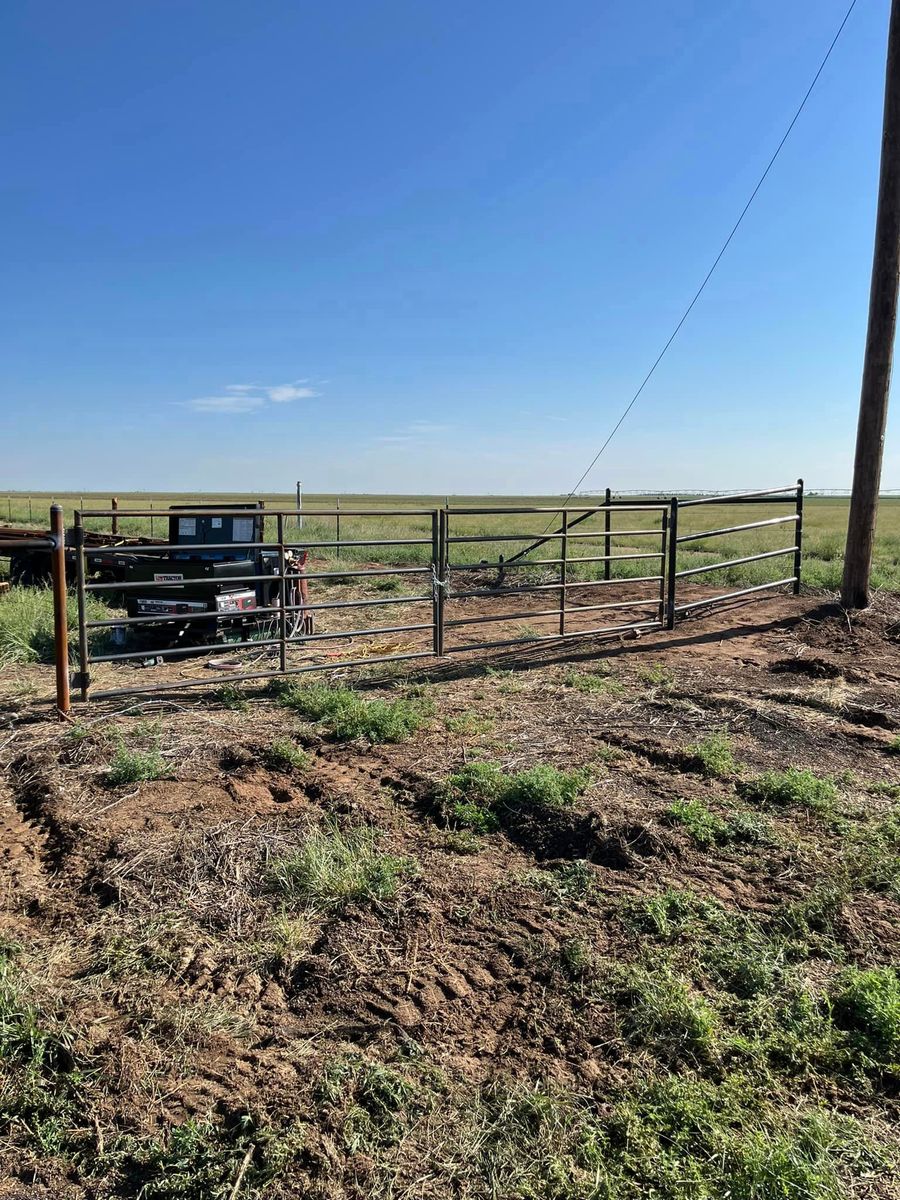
{"x":333,"y":868}
{"x":792,"y":787}
{"x":656,"y":675}
{"x":569,"y":881}
{"x":707,"y":828}
{"x":135,"y":766}
{"x":658,"y":1010}
{"x":468,"y":723}
{"x":713,"y":756}
{"x":348,"y":715}
{"x":867,"y":1005}
{"x":601,"y":681}
{"x":233,"y":697}
{"x":893,"y":746}
{"x":479,"y":793}
{"x":704,"y":827}
{"x":283,"y":755}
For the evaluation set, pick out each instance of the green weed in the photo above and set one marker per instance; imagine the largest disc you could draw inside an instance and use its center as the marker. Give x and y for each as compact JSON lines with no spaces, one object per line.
{"x":283,"y":755}
{"x":347,"y":715}
{"x":480,"y":793}
{"x":802,"y":788}
{"x":135,"y":766}
{"x":713,"y":756}
{"x":867,"y":1005}
{"x":26,"y":624}
{"x":332,"y":868}
{"x":601,"y":681}
{"x":468,"y":724}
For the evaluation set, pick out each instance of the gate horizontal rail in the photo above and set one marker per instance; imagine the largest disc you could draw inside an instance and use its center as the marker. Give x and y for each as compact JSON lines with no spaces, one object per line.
{"x":438,"y":545}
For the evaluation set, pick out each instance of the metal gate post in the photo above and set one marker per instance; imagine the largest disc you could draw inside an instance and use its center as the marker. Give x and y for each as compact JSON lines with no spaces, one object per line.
{"x":442,"y":574}
{"x":672,"y":563}
{"x":798,"y":538}
{"x":282,"y":596}
{"x":563,"y":573}
{"x":83,"y":679}
{"x":436,"y":579}
{"x":60,"y":614}
{"x":663,"y":551}
{"x":607,"y":541}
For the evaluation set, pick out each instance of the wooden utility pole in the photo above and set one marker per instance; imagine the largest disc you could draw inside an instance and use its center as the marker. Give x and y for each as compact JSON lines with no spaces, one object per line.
{"x":876,"y":380}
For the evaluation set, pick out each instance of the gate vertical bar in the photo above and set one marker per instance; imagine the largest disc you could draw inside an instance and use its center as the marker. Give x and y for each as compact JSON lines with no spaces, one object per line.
{"x":671,"y":579}
{"x":282,"y":596}
{"x":563,"y":569}
{"x":442,"y":576}
{"x":60,"y":615}
{"x":83,"y":650}
{"x":798,"y":538}
{"x":337,"y":527}
{"x":663,"y":551}
{"x":436,"y":579}
{"x":114,"y":505}
{"x":607,"y":540}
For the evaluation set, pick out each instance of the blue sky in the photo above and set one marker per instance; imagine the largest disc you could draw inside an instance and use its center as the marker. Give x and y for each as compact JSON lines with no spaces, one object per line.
{"x":413,"y":246}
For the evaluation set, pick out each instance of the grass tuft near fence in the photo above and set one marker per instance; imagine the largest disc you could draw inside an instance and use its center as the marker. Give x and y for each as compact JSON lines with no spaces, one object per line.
{"x":26,"y":624}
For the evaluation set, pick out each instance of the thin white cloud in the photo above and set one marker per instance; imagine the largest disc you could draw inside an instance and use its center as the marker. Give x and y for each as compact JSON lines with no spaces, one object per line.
{"x":226,"y":404}
{"x":283,"y":393}
{"x":250,"y":397}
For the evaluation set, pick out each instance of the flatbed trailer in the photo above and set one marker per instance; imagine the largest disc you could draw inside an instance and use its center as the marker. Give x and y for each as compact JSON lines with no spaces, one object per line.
{"x":29,"y":559}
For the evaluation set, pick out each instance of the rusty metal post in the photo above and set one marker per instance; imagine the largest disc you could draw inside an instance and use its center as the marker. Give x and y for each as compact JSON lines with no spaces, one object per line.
{"x":282,"y":595}
{"x":60,"y":611}
{"x":563,"y":572}
{"x":798,"y":538}
{"x":673,"y":563}
{"x":607,"y":540}
{"x":114,"y":505}
{"x":83,"y":678}
{"x":30,"y":517}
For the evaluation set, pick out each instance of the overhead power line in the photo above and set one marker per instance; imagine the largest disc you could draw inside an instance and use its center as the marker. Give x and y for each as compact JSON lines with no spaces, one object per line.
{"x":709,"y":274}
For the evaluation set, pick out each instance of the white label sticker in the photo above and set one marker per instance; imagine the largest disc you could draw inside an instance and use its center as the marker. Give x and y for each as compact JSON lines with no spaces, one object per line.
{"x":216,"y":523}
{"x":168,"y":579}
{"x":187,"y":526}
{"x":242,"y":529}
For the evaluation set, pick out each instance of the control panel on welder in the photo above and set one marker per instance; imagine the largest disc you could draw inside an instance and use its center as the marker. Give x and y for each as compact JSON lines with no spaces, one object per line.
{"x":221,"y":530}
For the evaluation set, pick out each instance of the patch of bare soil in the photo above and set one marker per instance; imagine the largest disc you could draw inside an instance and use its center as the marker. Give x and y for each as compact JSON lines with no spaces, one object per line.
{"x":189,"y":987}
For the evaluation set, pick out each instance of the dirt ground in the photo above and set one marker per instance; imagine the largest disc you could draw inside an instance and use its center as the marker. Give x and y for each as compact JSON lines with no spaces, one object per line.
{"x":144,"y":924}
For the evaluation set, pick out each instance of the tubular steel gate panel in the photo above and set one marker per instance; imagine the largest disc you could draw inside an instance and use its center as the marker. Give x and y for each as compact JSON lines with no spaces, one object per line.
{"x":564,"y":615}
{"x":474,"y":570}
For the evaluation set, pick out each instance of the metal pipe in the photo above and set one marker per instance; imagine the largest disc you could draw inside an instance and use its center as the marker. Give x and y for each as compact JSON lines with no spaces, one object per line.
{"x":760,"y":587}
{"x":435,"y":582}
{"x":60,"y":612}
{"x":84,"y":677}
{"x":663,"y":550}
{"x":544,"y":612}
{"x":798,"y":537}
{"x":231,"y":510}
{"x":114,"y":505}
{"x":206,"y":581}
{"x":552,"y":587}
{"x":737,"y":496}
{"x":607,"y":541}
{"x":735,"y":562}
{"x":550,"y":637}
{"x":351,"y":633}
{"x":230,"y":677}
{"x":564,"y":545}
{"x":165,"y":618}
{"x":523,"y":537}
{"x":282,"y":597}
{"x":672,"y":564}
{"x":696,"y":537}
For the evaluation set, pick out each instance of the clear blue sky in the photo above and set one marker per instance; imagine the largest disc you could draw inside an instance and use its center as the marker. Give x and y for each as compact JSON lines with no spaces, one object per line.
{"x":419,"y":246}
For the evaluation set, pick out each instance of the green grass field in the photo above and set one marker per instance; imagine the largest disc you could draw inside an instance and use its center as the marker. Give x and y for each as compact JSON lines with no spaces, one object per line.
{"x":824,"y":527}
